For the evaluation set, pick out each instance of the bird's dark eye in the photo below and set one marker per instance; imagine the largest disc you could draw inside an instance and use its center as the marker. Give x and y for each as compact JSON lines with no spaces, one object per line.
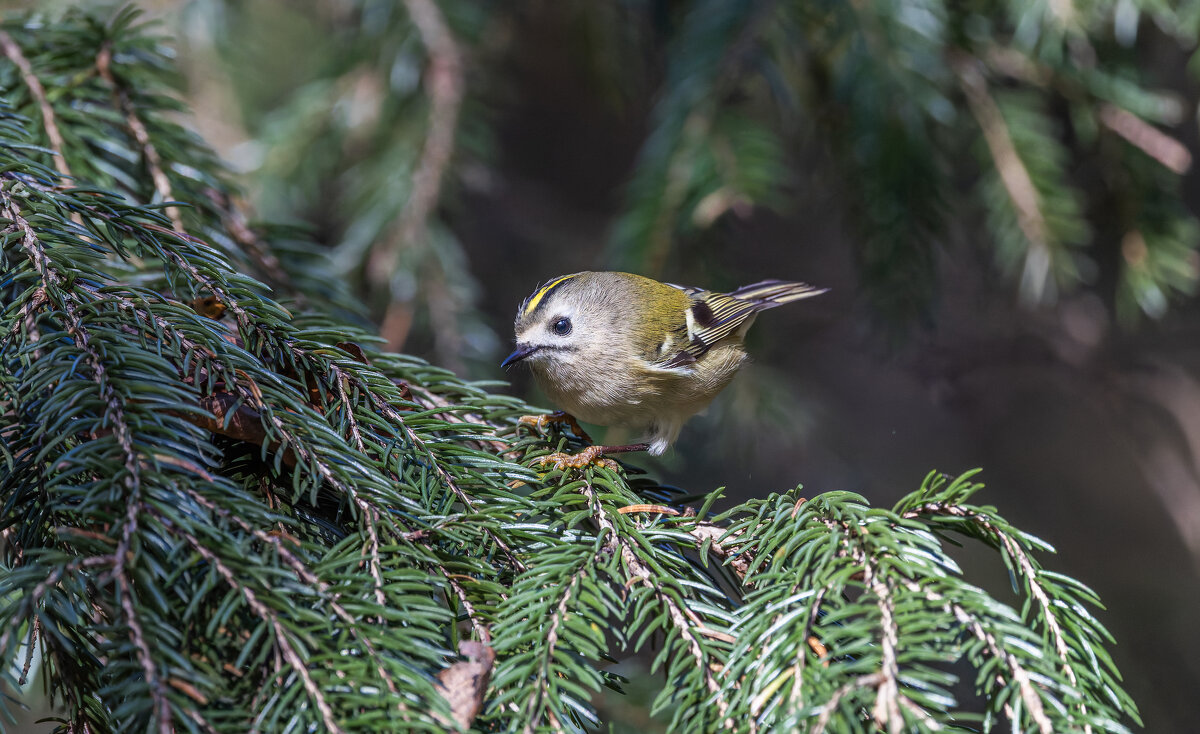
{"x":562,"y":327}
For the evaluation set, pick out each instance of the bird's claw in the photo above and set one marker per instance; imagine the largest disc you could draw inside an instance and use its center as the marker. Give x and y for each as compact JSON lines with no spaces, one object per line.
{"x":536,"y":422}
{"x":591,"y":456}
{"x":557,"y":418}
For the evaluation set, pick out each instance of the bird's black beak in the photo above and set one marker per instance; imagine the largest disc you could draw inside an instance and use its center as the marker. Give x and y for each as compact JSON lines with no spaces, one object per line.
{"x":522,"y":351}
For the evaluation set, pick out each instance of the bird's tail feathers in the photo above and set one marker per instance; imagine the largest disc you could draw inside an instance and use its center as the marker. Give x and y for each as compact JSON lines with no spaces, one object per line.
{"x":771,"y":293}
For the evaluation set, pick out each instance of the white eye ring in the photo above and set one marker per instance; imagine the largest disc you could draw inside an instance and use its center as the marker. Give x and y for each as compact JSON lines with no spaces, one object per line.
{"x":562,"y":326}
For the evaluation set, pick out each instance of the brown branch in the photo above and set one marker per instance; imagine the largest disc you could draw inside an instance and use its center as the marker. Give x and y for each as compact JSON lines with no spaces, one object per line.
{"x":30,"y":647}
{"x":38,"y":92}
{"x":862,"y":681}
{"x":241,"y":422}
{"x":162,"y":184}
{"x":1163,"y":148}
{"x":887,"y":698}
{"x":444,"y":80}
{"x":1013,"y":173}
{"x":706,"y":532}
{"x":480,"y":628}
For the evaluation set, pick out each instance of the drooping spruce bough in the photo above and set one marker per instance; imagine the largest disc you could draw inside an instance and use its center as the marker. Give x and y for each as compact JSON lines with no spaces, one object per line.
{"x":223,"y":510}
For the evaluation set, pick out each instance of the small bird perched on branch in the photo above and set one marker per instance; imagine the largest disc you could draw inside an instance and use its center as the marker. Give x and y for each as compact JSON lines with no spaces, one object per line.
{"x":618,"y":349}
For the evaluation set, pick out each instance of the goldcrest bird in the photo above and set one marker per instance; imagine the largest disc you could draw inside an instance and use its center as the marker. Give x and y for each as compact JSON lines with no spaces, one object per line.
{"x":618,"y":349}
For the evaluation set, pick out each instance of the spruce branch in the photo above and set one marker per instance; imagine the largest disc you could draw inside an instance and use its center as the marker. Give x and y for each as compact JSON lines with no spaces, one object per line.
{"x":1014,"y":175}
{"x":444,"y":79}
{"x":685,"y":623}
{"x":279,"y":633}
{"x":49,"y":120}
{"x":1029,"y":573}
{"x":114,"y":417}
{"x":162,"y":185}
{"x":1168,"y":151}
{"x":225,"y":514}
{"x":700,"y":160}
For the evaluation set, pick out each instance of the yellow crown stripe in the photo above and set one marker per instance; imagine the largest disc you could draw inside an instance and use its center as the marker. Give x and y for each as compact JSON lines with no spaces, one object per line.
{"x":537,"y":297}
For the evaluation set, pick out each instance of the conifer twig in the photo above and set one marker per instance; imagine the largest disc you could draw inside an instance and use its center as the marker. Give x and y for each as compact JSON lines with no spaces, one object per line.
{"x":444,"y":79}
{"x":887,"y":696}
{"x":481,"y":629}
{"x":1163,"y":148}
{"x":1012,"y":170}
{"x":706,"y":532}
{"x":544,"y":672}
{"x":49,"y":120}
{"x":233,"y":220}
{"x":114,"y":414}
{"x":307,"y":576}
{"x":1061,"y":648}
{"x":295,"y":661}
{"x":827,"y":709}
{"x":640,"y":571}
{"x":162,"y":184}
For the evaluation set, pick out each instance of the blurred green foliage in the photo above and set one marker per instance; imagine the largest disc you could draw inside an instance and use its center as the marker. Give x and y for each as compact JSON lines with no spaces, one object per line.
{"x":1033,"y":131}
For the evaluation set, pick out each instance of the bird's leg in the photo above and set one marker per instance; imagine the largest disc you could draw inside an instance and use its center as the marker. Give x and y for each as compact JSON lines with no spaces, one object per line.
{"x":557,"y":418}
{"x":589,"y":456}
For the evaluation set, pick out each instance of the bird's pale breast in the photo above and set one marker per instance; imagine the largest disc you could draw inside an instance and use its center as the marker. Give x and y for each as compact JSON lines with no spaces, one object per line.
{"x":635,"y":393}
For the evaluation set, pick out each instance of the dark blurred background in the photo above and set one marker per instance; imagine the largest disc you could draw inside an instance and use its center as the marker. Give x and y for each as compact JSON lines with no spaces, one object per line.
{"x":1000,"y":196}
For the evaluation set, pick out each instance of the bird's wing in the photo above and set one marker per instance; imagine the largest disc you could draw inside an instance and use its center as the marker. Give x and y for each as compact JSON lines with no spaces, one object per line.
{"x":712,"y":317}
